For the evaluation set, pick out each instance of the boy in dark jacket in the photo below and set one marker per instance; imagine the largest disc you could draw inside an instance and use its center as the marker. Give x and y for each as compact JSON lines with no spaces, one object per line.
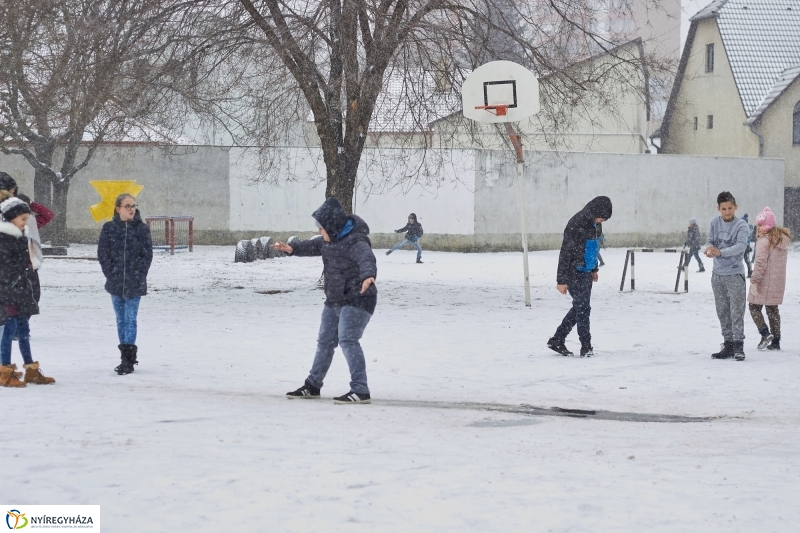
{"x":19,"y":293}
{"x":577,"y":270}
{"x":413,"y":233}
{"x":692,"y":242}
{"x":351,"y":296}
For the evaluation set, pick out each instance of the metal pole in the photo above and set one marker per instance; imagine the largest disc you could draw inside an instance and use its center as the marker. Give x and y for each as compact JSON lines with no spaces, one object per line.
{"x":517,"y":143}
{"x":633,"y":271}
{"x":680,"y":268}
{"x":624,"y":271}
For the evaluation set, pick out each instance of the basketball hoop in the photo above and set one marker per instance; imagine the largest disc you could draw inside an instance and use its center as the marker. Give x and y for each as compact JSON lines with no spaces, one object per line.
{"x":499,"y":110}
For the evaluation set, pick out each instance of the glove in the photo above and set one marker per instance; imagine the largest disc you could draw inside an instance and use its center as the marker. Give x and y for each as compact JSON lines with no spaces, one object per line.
{"x":11,"y":310}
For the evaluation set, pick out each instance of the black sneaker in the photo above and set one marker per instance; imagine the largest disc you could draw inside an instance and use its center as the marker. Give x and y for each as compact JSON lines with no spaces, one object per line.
{"x":701,"y":270}
{"x":352,"y":397}
{"x":726,"y":351}
{"x":388,"y":252}
{"x":559,"y":347}
{"x":765,"y":340}
{"x":306,"y":392}
{"x":587,"y":351}
{"x":738,"y":351}
{"x":419,"y":261}
{"x":775,"y":344}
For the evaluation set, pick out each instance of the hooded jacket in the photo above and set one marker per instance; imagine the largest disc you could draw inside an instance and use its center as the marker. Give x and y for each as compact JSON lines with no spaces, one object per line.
{"x":413,"y":230}
{"x":347,"y":260}
{"x":125,"y":252}
{"x":692,"y":238}
{"x":19,"y":283}
{"x":768,"y":281}
{"x":580,"y":245}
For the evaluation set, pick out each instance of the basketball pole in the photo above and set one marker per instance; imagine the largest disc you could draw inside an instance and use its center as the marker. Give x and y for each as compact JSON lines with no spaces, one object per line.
{"x":516,"y":142}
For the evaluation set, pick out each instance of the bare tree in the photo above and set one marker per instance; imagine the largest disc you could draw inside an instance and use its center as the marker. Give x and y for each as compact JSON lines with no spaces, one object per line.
{"x":74,"y":73}
{"x":341,"y":54}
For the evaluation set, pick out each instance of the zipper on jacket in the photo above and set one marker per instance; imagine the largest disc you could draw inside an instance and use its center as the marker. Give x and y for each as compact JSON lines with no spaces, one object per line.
{"x":124,"y":259}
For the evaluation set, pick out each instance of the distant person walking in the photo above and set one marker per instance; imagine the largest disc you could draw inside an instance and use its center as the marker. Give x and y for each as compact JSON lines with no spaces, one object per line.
{"x":413,"y":234}
{"x":350,"y":270}
{"x":692,"y":242}
{"x":751,"y":237}
{"x":19,"y":293}
{"x":577,"y":271}
{"x":727,"y":241}
{"x":125,"y":252}
{"x":768,"y":282}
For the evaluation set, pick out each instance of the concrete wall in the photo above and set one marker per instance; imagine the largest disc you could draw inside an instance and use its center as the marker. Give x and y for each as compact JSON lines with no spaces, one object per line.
{"x":467,"y":200}
{"x":653,"y":196}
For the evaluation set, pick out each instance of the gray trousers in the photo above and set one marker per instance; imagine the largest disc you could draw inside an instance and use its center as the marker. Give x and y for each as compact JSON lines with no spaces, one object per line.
{"x":341,"y":326}
{"x":730,"y":296}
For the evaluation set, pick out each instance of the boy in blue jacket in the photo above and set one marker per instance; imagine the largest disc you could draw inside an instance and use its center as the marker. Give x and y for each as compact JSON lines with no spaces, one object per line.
{"x":577,"y":270}
{"x":413,"y":233}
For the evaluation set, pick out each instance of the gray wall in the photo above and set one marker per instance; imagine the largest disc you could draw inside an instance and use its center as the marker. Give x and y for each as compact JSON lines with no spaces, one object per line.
{"x":653,"y":195}
{"x":470,"y":203}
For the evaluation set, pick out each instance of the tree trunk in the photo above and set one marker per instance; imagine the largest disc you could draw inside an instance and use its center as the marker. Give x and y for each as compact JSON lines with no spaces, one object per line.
{"x":42,"y":187}
{"x":59,"y":224}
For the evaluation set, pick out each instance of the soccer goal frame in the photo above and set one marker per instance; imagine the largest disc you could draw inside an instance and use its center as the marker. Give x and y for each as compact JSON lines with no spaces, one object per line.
{"x":169,"y":227}
{"x":630,"y":258}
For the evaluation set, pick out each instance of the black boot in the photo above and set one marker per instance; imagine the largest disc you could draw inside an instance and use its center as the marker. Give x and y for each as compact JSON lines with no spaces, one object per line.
{"x":128,"y":359}
{"x":766,"y":338}
{"x":738,"y":350}
{"x":775,"y":344}
{"x":558,"y":346}
{"x":725,"y":353}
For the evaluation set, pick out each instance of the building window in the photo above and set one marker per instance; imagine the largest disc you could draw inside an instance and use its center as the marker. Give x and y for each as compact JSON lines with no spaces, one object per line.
{"x":710,"y":57}
{"x":710,"y":122}
{"x":796,"y":124}
{"x":695,"y":123}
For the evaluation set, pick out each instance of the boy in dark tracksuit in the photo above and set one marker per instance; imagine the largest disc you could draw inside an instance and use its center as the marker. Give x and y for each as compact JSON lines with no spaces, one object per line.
{"x":413,"y":233}
{"x":350,"y":297}
{"x":577,"y":270}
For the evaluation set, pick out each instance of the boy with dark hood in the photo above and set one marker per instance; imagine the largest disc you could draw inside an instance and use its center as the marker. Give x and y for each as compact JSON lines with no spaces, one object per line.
{"x":350,"y":297}
{"x":413,"y":233}
{"x":577,"y":270}
{"x":692,"y":242}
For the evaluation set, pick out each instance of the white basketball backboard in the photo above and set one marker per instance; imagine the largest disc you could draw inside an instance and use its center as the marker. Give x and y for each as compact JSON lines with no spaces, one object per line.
{"x":500,"y":83}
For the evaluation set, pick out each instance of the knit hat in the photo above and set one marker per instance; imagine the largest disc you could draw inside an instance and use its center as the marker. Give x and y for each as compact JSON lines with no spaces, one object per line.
{"x":7,"y":183}
{"x":766,"y":219}
{"x":413,"y":216}
{"x":745,"y":218}
{"x":12,"y":208}
{"x":693,"y":221}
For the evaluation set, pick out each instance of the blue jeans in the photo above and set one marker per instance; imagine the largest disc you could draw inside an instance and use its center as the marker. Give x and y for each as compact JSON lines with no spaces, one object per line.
{"x":415,"y":244}
{"x":696,"y":255}
{"x":341,"y":326}
{"x":20,"y":326}
{"x":580,"y":288}
{"x":126,"y":310}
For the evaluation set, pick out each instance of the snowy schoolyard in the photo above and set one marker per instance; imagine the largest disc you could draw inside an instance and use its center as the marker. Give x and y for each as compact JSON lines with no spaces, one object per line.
{"x":201,"y":438}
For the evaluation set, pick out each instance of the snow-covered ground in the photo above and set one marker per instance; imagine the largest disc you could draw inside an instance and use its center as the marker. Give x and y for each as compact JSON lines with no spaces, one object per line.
{"x":200,"y":437}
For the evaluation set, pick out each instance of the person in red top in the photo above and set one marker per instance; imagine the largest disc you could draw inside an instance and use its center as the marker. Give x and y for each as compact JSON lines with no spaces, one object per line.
{"x":43,"y":215}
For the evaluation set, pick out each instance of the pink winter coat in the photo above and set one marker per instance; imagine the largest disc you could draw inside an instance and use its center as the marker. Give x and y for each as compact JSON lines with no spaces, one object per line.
{"x":769,"y":272}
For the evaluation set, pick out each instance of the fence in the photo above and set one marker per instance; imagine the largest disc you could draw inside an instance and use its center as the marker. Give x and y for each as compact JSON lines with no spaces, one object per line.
{"x":171,"y":232}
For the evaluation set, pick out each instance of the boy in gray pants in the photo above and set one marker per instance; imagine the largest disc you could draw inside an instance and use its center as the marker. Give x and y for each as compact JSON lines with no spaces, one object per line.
{"x":727,"y":241}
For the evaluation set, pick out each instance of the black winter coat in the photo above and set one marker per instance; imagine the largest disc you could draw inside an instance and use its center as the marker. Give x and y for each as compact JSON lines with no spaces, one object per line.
{"x":693,"y":238}
{"x":347,"y":263}
{"x":19,"y":282}
{"x":125,"y":251}
{"x":413,"y":231}
{"x":580,"y":228}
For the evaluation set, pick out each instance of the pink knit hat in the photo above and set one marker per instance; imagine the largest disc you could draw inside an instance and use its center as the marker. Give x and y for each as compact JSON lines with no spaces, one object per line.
{"x":766,"y":219}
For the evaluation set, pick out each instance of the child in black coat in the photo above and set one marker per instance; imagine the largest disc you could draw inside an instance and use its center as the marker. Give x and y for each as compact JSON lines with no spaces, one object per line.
{"x":413,"y":234}
{"x":19,"y":293}
{"x":350,"y":297}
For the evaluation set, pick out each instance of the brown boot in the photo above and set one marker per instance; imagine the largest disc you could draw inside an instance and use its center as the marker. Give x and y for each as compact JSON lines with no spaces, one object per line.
{"x":35,"y":376}
{"x":8,"y":378}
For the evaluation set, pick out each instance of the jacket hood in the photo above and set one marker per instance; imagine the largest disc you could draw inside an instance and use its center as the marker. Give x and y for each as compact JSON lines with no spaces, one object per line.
{"x":599,"y":207}
{"x":331,"y":216}
{"x":7,"y":182}
{"x":10,"y":229}
{"x":413,"y":216}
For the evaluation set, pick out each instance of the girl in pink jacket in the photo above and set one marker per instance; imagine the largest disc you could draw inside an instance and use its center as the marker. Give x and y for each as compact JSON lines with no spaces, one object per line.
{"x":769,"y":278}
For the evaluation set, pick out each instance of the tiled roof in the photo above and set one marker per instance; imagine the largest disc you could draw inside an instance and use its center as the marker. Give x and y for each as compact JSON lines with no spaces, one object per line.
{"x":784,"y":80}
{"x":762,"y":41}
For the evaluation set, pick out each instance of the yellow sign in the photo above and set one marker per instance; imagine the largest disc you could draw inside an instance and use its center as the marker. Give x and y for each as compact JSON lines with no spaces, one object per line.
{"x":108,"y":191}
